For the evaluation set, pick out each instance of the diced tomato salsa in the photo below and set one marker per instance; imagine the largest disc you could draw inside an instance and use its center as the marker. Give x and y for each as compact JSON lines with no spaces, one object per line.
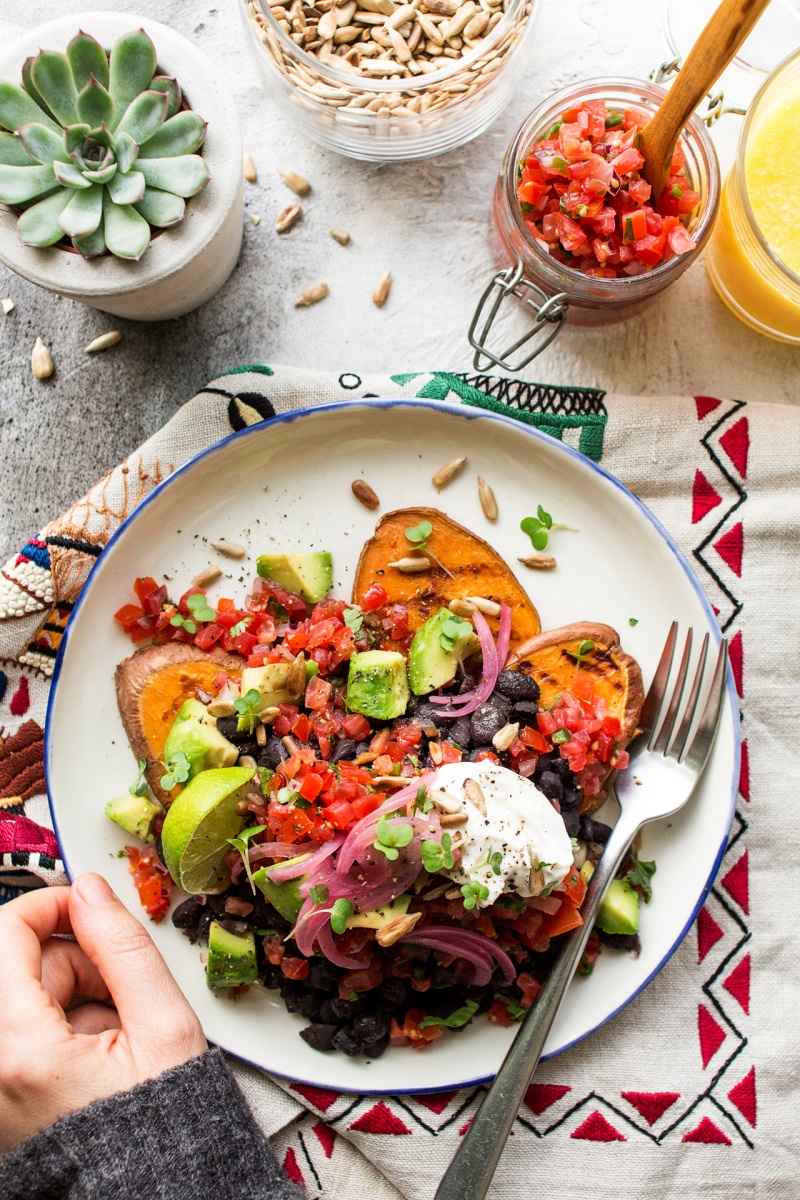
{"x":582,"y":194}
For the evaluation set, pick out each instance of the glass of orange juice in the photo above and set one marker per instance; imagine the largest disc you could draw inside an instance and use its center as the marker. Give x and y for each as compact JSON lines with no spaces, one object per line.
{"x":754,"y":252}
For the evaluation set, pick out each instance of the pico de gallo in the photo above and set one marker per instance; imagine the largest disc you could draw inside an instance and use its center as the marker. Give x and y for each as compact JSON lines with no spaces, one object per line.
{"x":582,"y":194}
{"x":385,"y":897}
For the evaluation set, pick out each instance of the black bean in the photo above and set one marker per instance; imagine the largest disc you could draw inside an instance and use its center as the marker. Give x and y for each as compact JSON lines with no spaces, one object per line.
{"x":428,"y":715}
{"x":203,"y":925}
{"x":524,"y":711}
{"x":560,"y":766}
{"x":460,"y":732}
{"x":324,"y":977}
{"x":273,"y":754}
{"x":319,"y":1037}
{"x":594,"y":831}
{"x":485,"y":722}
{"x":375,"y":1049}
{"x":551,"y":785}
{"x":391,"y":995}
{"x":343,"y":748}
{"x":308,"y":1006}
{"x":571,"y":798}
{"x":187,"y":914}
{"x":500,"y":701}
{"x":442,"y":1003}
{"x":373,"y":1027}
{"x":517,"y":685}
{"x":340,"y":1010}
{"x":228,"y":728}
{"x":620,"y":941}
{"x":442,"y":977}
{"x":347,"y":1042}
{"x":248,"y":749}
{"x":572,"y":822}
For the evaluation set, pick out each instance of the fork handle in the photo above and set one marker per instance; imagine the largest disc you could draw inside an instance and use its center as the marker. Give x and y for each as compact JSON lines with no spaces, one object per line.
{"x":470,"y":1173}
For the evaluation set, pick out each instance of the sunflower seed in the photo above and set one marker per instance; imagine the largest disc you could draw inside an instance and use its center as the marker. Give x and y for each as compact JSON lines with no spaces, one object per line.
{"x":220,"y":708}
{"x":391,"y":780}
{"x":435,"y":893}
{"x":7,"y":305}
{"x":453,"y":893}
{"x":340,"y":235}
{"x":247,"y":760}
{"x":296,"y":679}
{"x":268,"y":715}
{"x":41,"y":360}
{"x":505,"y":736}
{"x":381,"y":293}
{"x":363,"y":492}
{"x":261,"y":735}
{"x":447,"y":819}
{"x":476,"y":25}
{"x":444,"y":8}
{"x":249,"y":168}
{"x":229,"y":549}
{"x":489,"y":608}
{"x":410,"y":566}
{"x":327,"y":24}
{"x":435,"y":751}
{"x":446,"y":802}
{"x":488,"y":502}
{"x":474,"y":793}
{"x":536,"y":882}
{"x":206,"y":577}
{"x":388,"y":934}
{"x":462,"y":607}
{"x":448,"y":472}
{"x":103,"y":341}
{"x":539,"y":562}
{"x":312,"y":295}
{"x":385,"y":7}
{"x":297,"y":183}
{"x":286,"y":219}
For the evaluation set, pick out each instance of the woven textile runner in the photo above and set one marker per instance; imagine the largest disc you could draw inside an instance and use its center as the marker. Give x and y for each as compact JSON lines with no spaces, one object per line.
{"x":691,"y":1091}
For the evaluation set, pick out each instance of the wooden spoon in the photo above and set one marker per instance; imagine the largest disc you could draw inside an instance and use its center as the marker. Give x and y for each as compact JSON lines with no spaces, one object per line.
{"x":707,"y":59}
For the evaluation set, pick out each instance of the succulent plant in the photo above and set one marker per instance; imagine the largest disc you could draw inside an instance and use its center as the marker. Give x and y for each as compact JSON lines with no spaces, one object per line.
{"x":97,"y":147}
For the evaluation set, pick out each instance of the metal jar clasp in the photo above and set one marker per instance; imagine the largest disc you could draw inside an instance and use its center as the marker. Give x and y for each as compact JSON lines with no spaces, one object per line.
{"x":550,"y":315}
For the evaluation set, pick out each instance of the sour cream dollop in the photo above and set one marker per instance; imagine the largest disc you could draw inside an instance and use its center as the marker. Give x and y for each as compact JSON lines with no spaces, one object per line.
{"x":520,"y":825}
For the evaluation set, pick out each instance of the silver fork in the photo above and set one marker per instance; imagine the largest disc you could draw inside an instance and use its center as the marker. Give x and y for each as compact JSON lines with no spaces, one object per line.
{"x":663,"y":773}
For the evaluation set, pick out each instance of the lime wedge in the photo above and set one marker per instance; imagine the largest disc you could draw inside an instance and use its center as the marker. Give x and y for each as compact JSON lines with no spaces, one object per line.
{"x":198,"y":825}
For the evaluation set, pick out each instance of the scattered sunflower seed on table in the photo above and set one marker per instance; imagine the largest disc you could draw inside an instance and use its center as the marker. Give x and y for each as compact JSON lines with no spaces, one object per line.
{"x":287,"y":217}
{"x":249,"y":168}
{"x":41,"y":360}
{"x":297,"y":183}
{"x":103,"y":342}
{"x":381,"y":293}
{"x":312,"y":295}
{"x":340,"y":235}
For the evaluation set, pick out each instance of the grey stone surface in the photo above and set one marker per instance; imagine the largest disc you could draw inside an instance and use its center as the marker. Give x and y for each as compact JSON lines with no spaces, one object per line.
{"x":427,"y":222}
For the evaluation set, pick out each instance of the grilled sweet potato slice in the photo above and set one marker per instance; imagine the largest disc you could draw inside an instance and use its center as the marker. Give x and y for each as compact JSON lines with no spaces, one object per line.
{"x":152,"y":684}
{"x":550,"y":659}
{"x":478,"y":570}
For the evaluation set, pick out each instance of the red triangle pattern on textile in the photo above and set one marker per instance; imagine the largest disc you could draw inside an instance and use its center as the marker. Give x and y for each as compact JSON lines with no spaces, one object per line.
{"x":464,"y":1128}
{"x":744,"y":775}
{"x":597,"y":1129}
{"x":292,"y":1167}
{"x":651,"y":1105}
{"x":711,"y":1034}
{"x":738,"y":983}
{"x":704,"y":497}
{"x":736,"y":444}
{"x":707,"y":1132}
{"x":21,"y":700}
{"x":325,"y":1136}
{"x":437,"y":1102}
{"x":319,"y":1097}
{"x":708,"y":933}
{"x":380,"y":1119}
{"x":540,"y":1096}
{"x":743,"y":1095}
{"x":737,"y":883}
{"x":736,"y":656}
{"x":705,"y":405}
{"x":730,"y":548}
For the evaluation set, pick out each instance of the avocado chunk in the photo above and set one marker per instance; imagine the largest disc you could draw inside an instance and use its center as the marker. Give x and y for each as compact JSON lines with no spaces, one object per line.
{"x":284,"y":897}
{"x":376,"y":918}
{"x":430,"y":665}
{"x":619,"y":911}
{"x":270,"y":682}
{"x":377,"y":684}
{"x":196,"y":735}
{"x":587,"y":871}
{"x":134,"y":814}
{"x":231,"y":958}
{"x":309,"y":575}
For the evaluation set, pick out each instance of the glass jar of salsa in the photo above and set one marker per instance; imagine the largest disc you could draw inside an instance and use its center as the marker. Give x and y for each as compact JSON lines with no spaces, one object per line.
{"x":582,"y":261}
{"x":754,"y":255}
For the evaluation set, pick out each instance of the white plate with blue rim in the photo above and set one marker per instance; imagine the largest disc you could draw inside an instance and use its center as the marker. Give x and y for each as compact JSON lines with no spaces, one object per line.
{"x":284,"y":484}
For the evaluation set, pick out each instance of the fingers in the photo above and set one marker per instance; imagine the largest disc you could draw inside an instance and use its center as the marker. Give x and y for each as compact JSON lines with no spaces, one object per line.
{"x":67,"y":970}
{"x":24,"y":924}
{"x":93,"y":1018}
{"x":150,"y":1004}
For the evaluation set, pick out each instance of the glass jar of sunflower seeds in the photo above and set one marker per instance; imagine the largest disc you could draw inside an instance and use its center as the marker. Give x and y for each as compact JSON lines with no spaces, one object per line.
{"x":384,"y":80}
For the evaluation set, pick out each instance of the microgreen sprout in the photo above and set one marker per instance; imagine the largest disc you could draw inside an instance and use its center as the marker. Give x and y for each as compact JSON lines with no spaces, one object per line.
{"x":390,"y":837}
{"x":584,"y":650}
{"x":418,"y":536}
{"x":184,"y":622}
{"x":422,"y":801}
{"x":199,"y":608}
{"x":241,"y":843}
{"x":633,"y":621}
{"x":318,"y":894}
{"x":539,"y":528}
{"x":247,"y":707}
{"x":454,"y":631}
{"x":436,"y":856}
{"x":353,"y":619}
{"x":472,"y":892}
{"x":140,"y":786}
{"x":340,"y":912}
{"x":177,"y":771}
{"x":495,"y":861}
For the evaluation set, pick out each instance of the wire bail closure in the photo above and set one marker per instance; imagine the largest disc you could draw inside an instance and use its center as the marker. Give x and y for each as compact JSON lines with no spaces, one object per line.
{"x":551,"y":313}
{"x":716,"y":103}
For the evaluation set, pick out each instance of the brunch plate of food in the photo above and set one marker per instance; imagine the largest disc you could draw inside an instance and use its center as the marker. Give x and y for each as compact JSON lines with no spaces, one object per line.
{"x":352,"y":687}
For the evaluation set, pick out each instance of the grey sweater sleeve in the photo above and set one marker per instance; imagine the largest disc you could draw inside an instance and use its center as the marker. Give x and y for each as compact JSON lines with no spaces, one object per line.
{"x":187,"y":1135}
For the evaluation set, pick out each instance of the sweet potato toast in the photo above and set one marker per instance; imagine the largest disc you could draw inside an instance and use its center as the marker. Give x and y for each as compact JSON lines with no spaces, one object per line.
{"x":152,"y":684}
{"x":477,"y":569}
{"x":549,"y":658}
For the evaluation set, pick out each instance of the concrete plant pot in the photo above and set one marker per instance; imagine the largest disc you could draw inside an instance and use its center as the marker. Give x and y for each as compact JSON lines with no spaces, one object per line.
{"x":185,"y":265}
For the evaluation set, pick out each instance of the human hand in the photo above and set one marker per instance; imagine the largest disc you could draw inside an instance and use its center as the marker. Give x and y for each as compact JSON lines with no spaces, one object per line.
{"x":52,"y":1063}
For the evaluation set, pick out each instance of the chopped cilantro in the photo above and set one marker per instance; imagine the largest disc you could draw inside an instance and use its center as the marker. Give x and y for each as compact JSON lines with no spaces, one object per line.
{"x":462,"y":1016}
{"x":353,"y":619}
{"x":640,"y":876}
